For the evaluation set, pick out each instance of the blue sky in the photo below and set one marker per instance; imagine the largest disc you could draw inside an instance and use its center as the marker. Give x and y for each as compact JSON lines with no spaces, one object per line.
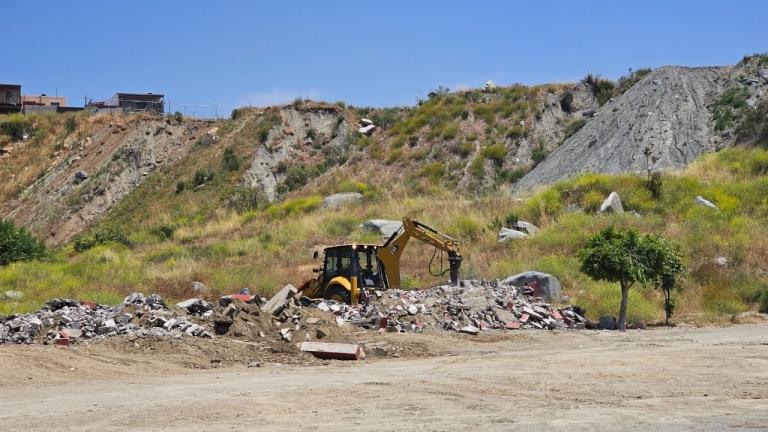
{"x":230,"y":53}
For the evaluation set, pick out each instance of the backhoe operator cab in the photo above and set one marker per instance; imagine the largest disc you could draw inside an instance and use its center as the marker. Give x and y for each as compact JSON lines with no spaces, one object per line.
{"x":348,"y":271}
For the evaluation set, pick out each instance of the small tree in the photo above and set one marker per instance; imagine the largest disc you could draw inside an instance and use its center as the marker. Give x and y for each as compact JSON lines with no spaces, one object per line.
{"x":626,"y":257}
{"x":666,"y":263}
{"x":18,"y":244}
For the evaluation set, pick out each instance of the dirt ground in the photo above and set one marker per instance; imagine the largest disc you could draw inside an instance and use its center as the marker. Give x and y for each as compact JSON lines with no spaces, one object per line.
{"x":667,"y":379}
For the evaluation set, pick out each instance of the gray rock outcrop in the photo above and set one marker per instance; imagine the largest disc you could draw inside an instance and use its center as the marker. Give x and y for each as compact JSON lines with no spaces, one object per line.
{"x":506,"y":234}
{"x":384,"y":227}
{"x":665,"y":112}
{"x":341,"y":199}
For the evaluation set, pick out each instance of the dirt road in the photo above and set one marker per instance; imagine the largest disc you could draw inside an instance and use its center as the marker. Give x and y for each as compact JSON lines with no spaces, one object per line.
{"x":672,"y":379}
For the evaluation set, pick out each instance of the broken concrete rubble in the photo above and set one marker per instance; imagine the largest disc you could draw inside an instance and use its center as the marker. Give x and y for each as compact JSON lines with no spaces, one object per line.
{"x":543,"y":284}
{"x":484,"y":305}
{"x":704,"y":202}
{"x":66,"y":320}
{"x":333,"y":351}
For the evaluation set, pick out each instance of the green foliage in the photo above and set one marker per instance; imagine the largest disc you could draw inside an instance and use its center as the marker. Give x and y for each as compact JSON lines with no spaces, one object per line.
{"x":70,"y":125}
{"x":496,"y":152}
{"x":202,"y":176}
{"x":729,"y":107}
{"x":602,"y":90}
{"x":466,"y":228}
{"x":572,"y":127}
{"x":627,"y":81}
{"x":566,"y":102}
{"x":245,"y":199}
{"x":178,"y":117}
{"x":101,"y":236}
{"x":236,"y":113}
{"x":539,"y":154}
{"x":164,"y":231}
{"x":18,"y":244}
{"x":16,"y":126}
{"x":434,"y":171}
{"x":339,"y":226}
{"x":462,"y":149}
{"x":231,"y":160}
{"x":295,"y":206}
{"x":477,"y":167}
{"x":626,"y":257}
{"x":205,"y":140}
{"x":753,"y":127}
{"x":298,"y":175}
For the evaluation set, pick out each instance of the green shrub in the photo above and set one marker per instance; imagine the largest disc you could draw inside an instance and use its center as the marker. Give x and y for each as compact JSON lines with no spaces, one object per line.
{"x":104,"y":235}
{"x":164,"y":232}
{"x":477,"y":167}
{"x":729,"y":107}
{"x":566,"y":102}
{"x":16,"y":126}
{"x":339,"y":226}
{"x":466,"y":228}
{"x":201,"y":177}
{"x":434,"y":171}
{"x":18,"y":244}
{"x":572,"y":127}
{"x":754,"y":126}
{"x":231,"y":160}
{"x":70,"y":125}
{"x":246,"y":199}
{"x":602,"y":90}
{"x":496,"y":152}
{"x":539,"y":154}
{"x":450,"y":131}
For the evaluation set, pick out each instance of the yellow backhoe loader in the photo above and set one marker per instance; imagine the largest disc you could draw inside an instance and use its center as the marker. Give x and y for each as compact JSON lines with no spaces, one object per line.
{"x":349,"y":270}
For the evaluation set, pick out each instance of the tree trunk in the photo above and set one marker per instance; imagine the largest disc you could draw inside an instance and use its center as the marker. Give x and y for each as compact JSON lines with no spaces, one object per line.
{"x":667,"y":300}
{"x":623,"y":308}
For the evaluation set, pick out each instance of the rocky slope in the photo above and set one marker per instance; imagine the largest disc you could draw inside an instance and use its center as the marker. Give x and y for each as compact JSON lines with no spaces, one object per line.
{"x":98,"y":171}
{"x":664,"y":113}
{"x":663,"y":122}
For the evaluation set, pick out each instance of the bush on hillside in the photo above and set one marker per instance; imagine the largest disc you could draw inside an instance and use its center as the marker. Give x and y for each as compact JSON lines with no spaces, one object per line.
{"x":566,"y":102}
{"x":102,"y":236}
{"x":231,"y":160}
{"x":18,"y":244}
{"x":16,"y":126}
{"x":602,"y":90}
{"x":573,"y":127}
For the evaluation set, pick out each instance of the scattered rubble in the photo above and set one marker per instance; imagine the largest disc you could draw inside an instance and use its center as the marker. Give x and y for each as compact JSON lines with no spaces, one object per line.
{"x":471,"y":307}
{"x":333,"y":351}
{"x":366,"y":126}
{"x":544,"y":285}
{"x":62,"y":321}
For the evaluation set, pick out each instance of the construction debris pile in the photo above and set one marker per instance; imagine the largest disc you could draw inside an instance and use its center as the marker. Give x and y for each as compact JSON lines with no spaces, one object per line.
{"x":470,"y":307}
{"x":63,"y":320}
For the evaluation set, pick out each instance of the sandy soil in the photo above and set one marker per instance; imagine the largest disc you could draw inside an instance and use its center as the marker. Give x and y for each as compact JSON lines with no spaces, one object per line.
{"x":670,"y":379}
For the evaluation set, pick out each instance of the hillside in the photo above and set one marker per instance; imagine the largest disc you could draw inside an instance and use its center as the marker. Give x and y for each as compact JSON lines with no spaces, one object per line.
{"x":238,"y":202}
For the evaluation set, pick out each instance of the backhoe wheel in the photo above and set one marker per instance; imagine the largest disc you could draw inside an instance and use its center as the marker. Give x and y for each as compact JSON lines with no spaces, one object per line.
{"x":339,"y":294}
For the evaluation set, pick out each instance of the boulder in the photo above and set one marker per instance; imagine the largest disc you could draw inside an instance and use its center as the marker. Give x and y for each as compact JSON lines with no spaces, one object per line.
{"x":367,"y":130}
{"x":526,"y":227}
{"x":340,"y":199}
{"x":366,"y":122}
{"x":81,"y":175}
{"x":544,"y":285}
{"x":607,"y":323}
{"x":12,"y":295}
{"x":199,"y":287}
{"x":382,"y":226}
{"x":489,"y":85}
{"x":612,"y":204}
{"x":763,"y":73}
{"x":506,"y":234}
{"x":703,"y":202}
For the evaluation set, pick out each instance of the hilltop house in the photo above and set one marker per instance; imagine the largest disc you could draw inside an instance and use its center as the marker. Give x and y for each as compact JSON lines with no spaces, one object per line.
{"x":131,"y":102}
{"x":10,"y":98}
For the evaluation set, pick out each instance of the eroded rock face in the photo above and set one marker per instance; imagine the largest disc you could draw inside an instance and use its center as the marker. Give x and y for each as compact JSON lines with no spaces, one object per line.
{"x":665,"y":112}
{"x":290,"y":138}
